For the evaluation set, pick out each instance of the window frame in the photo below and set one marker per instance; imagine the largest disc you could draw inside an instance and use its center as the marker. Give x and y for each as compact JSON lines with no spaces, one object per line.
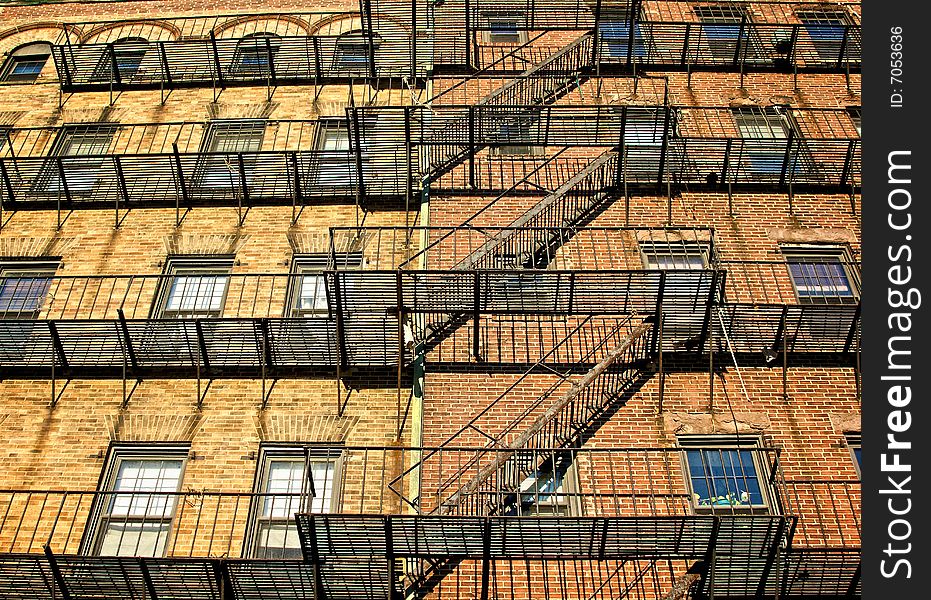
{"x":856,"y":114}
{"x":564,"y":500}
{"x":724,"y":443}
{"x":619,"y":17}
{"x":823,"y":254}
{"x":283,"y":451}
{"x":522,"y":128}
{"x":95,"y":531}
{"x":345,"y":50}
{"x":516,"y":38}
{"x":715,"y":18}
{"x":254,"y":45}
{"x":133,"y":48}
{"x":49,"y":180}
{"x":690,"y":249}
{"x":814,"y":18}
{"x":765,"y":155}
{"x":213,"y":171}
{"x":315,"y":265}
{"x":192,"y":263}
{"x":852,"y":440}
{"x":7,"y":74}
{"x":335,"y":167}
{"x":38,"y":265}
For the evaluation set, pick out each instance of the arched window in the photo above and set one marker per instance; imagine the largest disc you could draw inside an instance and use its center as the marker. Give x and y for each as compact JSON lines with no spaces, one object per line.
{"x":128,"y":53}
{"x":254,"y":51}
{"x":26,"y":62}
{"x":352,"y":49}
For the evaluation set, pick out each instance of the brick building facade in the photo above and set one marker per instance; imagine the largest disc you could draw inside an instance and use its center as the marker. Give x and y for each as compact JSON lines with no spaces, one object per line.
{"x":374,"y":299}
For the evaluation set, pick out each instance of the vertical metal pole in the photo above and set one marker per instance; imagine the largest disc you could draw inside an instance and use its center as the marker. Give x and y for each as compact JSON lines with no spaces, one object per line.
{"x":468,"y":35}
{"x":659,"y":348}
{"x":785,"y":368}
{"x":711,"y":372}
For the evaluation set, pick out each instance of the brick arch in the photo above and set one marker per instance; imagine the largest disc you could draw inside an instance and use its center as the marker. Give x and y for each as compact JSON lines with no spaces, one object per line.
{"x":333,"y":19}
{"x":232,"y":24}
{"x":173,"y":31}
{"x":15,"y":37}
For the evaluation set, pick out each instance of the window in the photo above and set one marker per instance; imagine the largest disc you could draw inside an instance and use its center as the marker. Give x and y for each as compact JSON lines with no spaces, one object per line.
{"x":522,"y":132}
{"x":684,"y":254}
{"x":826,"y":30}
{"x":765,"y":131}
{"x":23,"y":287}
{"x":25,"y":64}
{"x":194,"y":287}
{"x":853,"y":443}
{"x":505,"y":28}
{"x":335,"y":158}
{"x":308,"y":294}
{"x":822,"y":274}
{"x":128,"y":53}
{"x":855,"y":118}
{"x":352,"y":50}
{"x":726,"y":31}
{"x":615,"y":35}
{"x":133,"y":513}
{"x":87,"y":144}
{"x":289,"y":480}
{"x":253,"y":52}
{"x":725,"y":473}
{"x":224,"y":140}
{"x":549,"y":489}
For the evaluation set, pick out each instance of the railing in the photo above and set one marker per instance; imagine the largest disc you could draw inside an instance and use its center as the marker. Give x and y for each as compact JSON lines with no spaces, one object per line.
{"x":688,"y":146}
{"x":582,"y":248}
{"x":270,"y":135}
{"x":828,"y":510}
{"x":604,"y":482}
{"x":809,"y":280}
{"x":538,"y":86}
{"x":773,"y":38}
{"x":560,"y":417}
{"x":226,"y":62}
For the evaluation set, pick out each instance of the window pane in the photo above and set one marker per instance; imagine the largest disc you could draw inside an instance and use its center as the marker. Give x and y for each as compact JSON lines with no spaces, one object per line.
{"x":322,"y":472}
{"x":687,"y":255}
{"x":197,"y":293}
{"x":145,"y":475}
{"x":284,"y":476}
{"x":134,"y":539}
{"x":724,"y":477}
{"x":277,"y":540}
{"x":312,"y":295}
{"x":23,"y":292}
{"x":823,"y":279}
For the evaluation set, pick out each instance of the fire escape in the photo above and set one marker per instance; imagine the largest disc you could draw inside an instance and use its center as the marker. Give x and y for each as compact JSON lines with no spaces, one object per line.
{"x":456,"y":507}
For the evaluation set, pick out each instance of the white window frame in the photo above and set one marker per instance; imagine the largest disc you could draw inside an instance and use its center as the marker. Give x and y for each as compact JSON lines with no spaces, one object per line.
{"x":500,"y":36}
{"x":90,"y":140}
{"x":218,"y":167}
{"x":335,"y":155}
{"x":300,"y":500}
{"x":823,"y":254}
{"x":307,"y":266}
{"x":737,"y":501}
{"x":652,"y":252}
{"x":544,"y":493}
{"x":176,"y":267}
{"x":28,"y":274}
{"x":135,"y":507}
